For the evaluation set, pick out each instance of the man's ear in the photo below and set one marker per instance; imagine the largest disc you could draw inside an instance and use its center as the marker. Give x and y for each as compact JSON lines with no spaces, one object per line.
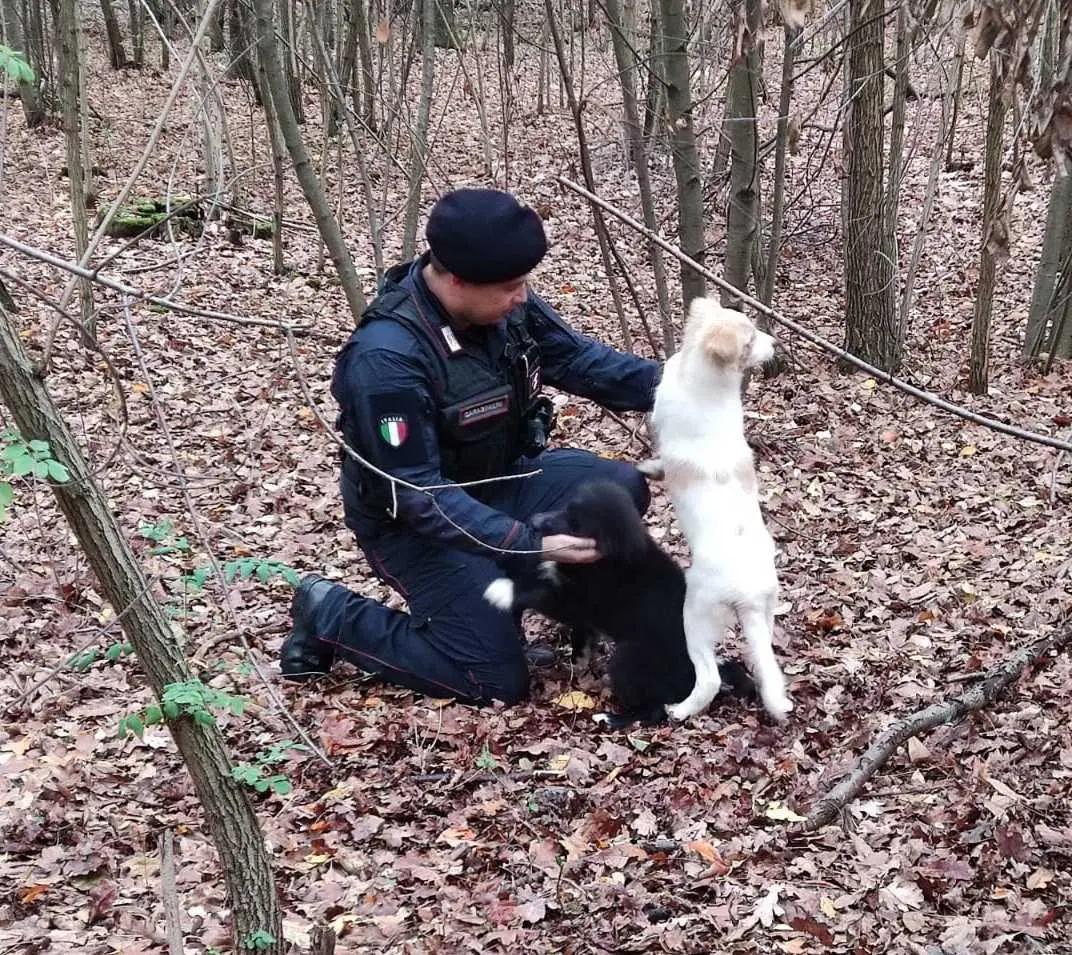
{"x":722,"y":344}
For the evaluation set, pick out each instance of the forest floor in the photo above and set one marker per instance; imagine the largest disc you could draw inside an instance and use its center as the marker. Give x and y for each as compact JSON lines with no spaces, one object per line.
{"x":915,"y":550}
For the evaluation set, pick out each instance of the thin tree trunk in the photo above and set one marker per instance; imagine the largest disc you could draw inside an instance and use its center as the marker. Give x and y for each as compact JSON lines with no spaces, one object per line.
{"x":69,"y":54}
{"x":290,"y":59}
{"x":444,"y":34}
{"x":137,"y":33}
{"x":742,"y":212}
{"x":992,"y":241}
{"x":116,"y":54}
{"x":586,"y":168}
{"x":785,"y":99}
{"x":870,"y":275}
{"x":897,"y":125}
{"x":655,"y":89}
{"x":638,"y":155}
{"x":675,"y":74}
{"x":509,"y":19}
{"x":419,"y":139}
{"x":275,"y":139}
{"x":35,"y":96}
{"x":958,"y":84}
{"x":330,"y":232}
{"x":230,"y":818}
{"x":1056,"y":251}
{"x":364,"y":52}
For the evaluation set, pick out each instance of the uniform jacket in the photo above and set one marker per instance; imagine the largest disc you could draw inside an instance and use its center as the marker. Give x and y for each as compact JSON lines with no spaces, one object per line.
{"x":431,"y":404}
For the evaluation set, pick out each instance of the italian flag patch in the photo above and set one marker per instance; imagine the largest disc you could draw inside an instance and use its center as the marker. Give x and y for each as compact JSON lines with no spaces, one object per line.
{"x":393,"y":429}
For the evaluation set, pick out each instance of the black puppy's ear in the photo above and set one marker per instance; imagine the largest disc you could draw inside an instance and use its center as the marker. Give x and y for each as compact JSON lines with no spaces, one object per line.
{"x":550,"y":522}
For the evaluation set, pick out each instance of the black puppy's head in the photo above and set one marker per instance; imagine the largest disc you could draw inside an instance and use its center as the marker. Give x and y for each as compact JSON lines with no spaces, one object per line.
{"x":604,"y":512}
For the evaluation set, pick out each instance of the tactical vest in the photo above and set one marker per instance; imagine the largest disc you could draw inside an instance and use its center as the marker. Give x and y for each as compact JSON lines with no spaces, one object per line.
{"x":482,"y":405}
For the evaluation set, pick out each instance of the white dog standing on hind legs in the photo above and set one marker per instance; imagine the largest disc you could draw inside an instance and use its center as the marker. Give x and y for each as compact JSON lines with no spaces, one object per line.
{"x":698,"y":420}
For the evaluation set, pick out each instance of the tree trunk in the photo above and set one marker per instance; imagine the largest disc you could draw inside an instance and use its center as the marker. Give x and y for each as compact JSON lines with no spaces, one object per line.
{"x":509,"y":19}
{"x":241,"y":40}
{"x":69,"y":54}
{"x":1055,"y":261}
{"x":419,"y":140}
{"x":117,"y":56}
{"x":290,"y":60}
{"x":636,"y":149}
{"x":37,"y":96}
{"x":785,"y":99}
{"x":364,"y":52}
{"x":445,"y":36}
{"x":742,"y":213}
{"x":330,"y":232}
{"x":992,"y":243}
{"x":675,"y":74}
{"x":870,"y":275}
{"x":228,"y":814}
{"x":586,"y":168}
{"x":958,"y":83}
{"x":137,"y":33}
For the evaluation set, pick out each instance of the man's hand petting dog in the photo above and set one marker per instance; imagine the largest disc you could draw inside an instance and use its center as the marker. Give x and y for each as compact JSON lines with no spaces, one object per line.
{"x":567,"y":549}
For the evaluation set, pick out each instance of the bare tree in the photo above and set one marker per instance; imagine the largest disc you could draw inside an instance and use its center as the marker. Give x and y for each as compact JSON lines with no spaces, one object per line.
{"x":995,"y":231}
{"x":117,"y":55}
{"x":419,"y":138}
{"x":268,"y":51}
{"x":69,"y":50}
{"x":742,"y":100}
{"x":674,"y":72}
{"x":637,"y":154}
{"x":870,"y":273}
{"x":228,"y":814}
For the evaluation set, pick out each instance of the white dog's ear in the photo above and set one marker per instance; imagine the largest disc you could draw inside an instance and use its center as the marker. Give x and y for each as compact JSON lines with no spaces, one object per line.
{"x":722,"y":343}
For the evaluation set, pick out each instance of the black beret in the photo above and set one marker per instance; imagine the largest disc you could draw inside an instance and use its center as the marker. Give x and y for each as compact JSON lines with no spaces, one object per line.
{"x":485,"y":236}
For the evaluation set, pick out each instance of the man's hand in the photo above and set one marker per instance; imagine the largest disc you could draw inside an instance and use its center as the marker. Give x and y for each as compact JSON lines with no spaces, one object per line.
{"x":567,"y":549}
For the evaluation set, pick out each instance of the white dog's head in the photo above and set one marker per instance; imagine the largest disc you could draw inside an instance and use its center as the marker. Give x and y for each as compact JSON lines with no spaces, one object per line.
{"x":725,"y":337}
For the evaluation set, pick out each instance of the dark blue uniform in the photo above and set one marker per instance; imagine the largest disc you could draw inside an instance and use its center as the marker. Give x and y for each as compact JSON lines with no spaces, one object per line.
{"x":435,"y":406}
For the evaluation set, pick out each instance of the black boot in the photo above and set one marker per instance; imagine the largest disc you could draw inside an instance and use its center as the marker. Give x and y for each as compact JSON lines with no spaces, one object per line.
{"x":304,"y":655}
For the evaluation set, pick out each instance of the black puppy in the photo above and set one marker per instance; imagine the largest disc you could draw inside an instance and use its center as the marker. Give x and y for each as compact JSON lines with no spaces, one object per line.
{"x":634,"y":595}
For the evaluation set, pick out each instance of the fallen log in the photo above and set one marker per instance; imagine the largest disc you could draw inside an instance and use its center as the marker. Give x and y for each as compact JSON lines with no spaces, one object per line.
{"x":977,"y":696}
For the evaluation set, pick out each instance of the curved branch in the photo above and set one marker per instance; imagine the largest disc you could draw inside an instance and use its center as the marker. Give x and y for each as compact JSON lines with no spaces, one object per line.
{"x":981,"y":694}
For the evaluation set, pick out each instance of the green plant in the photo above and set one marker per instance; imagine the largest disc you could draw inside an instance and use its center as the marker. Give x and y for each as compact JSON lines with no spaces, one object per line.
{"x":25,"y":459}
{"x":162,"y":533}
{"x":12,"y":63}
{"x":244,"y":568}
{"x":191,"y":698}
{"x":84,"y":660}
{"x":258,"y":940}
{"x":255,"y":774}
{"x":486,"y":761}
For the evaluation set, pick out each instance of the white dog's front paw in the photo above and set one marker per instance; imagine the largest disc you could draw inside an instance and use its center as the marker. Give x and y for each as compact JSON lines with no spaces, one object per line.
{"x":681,"y":711}
{"x":652,"y":469}
{"x":779,"y":706}
{"x":500,"y":593}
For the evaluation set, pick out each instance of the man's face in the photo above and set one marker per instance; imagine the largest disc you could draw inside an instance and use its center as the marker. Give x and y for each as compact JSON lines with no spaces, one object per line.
{"x":489,"y":304}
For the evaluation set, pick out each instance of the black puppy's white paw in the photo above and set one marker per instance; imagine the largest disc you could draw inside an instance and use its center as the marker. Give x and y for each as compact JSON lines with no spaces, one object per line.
{"x":500,"y":593}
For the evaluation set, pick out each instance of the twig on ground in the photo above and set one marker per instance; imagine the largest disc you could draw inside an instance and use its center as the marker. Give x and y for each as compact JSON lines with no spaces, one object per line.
{"x":989,"y":687}
{"x":172,"y":913}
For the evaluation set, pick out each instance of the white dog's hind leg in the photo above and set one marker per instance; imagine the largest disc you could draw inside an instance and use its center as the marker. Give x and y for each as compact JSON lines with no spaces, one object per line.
{"x":705,"y":623}
{"x":757,"y":624}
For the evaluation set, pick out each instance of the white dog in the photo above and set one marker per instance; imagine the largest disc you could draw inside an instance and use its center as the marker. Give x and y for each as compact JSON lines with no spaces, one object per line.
{"x":698,"y":422}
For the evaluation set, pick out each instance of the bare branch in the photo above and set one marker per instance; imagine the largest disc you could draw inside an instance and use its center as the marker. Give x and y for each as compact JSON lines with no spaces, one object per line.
{"x":981,"y":694}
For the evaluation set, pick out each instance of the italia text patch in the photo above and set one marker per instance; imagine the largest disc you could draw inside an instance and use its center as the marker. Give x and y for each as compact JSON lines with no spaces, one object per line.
{"x":397,"y":428}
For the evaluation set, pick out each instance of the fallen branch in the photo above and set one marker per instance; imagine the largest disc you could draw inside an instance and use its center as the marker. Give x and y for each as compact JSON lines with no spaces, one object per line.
{"x":172,"y":912}
{"x":993,"y":683}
